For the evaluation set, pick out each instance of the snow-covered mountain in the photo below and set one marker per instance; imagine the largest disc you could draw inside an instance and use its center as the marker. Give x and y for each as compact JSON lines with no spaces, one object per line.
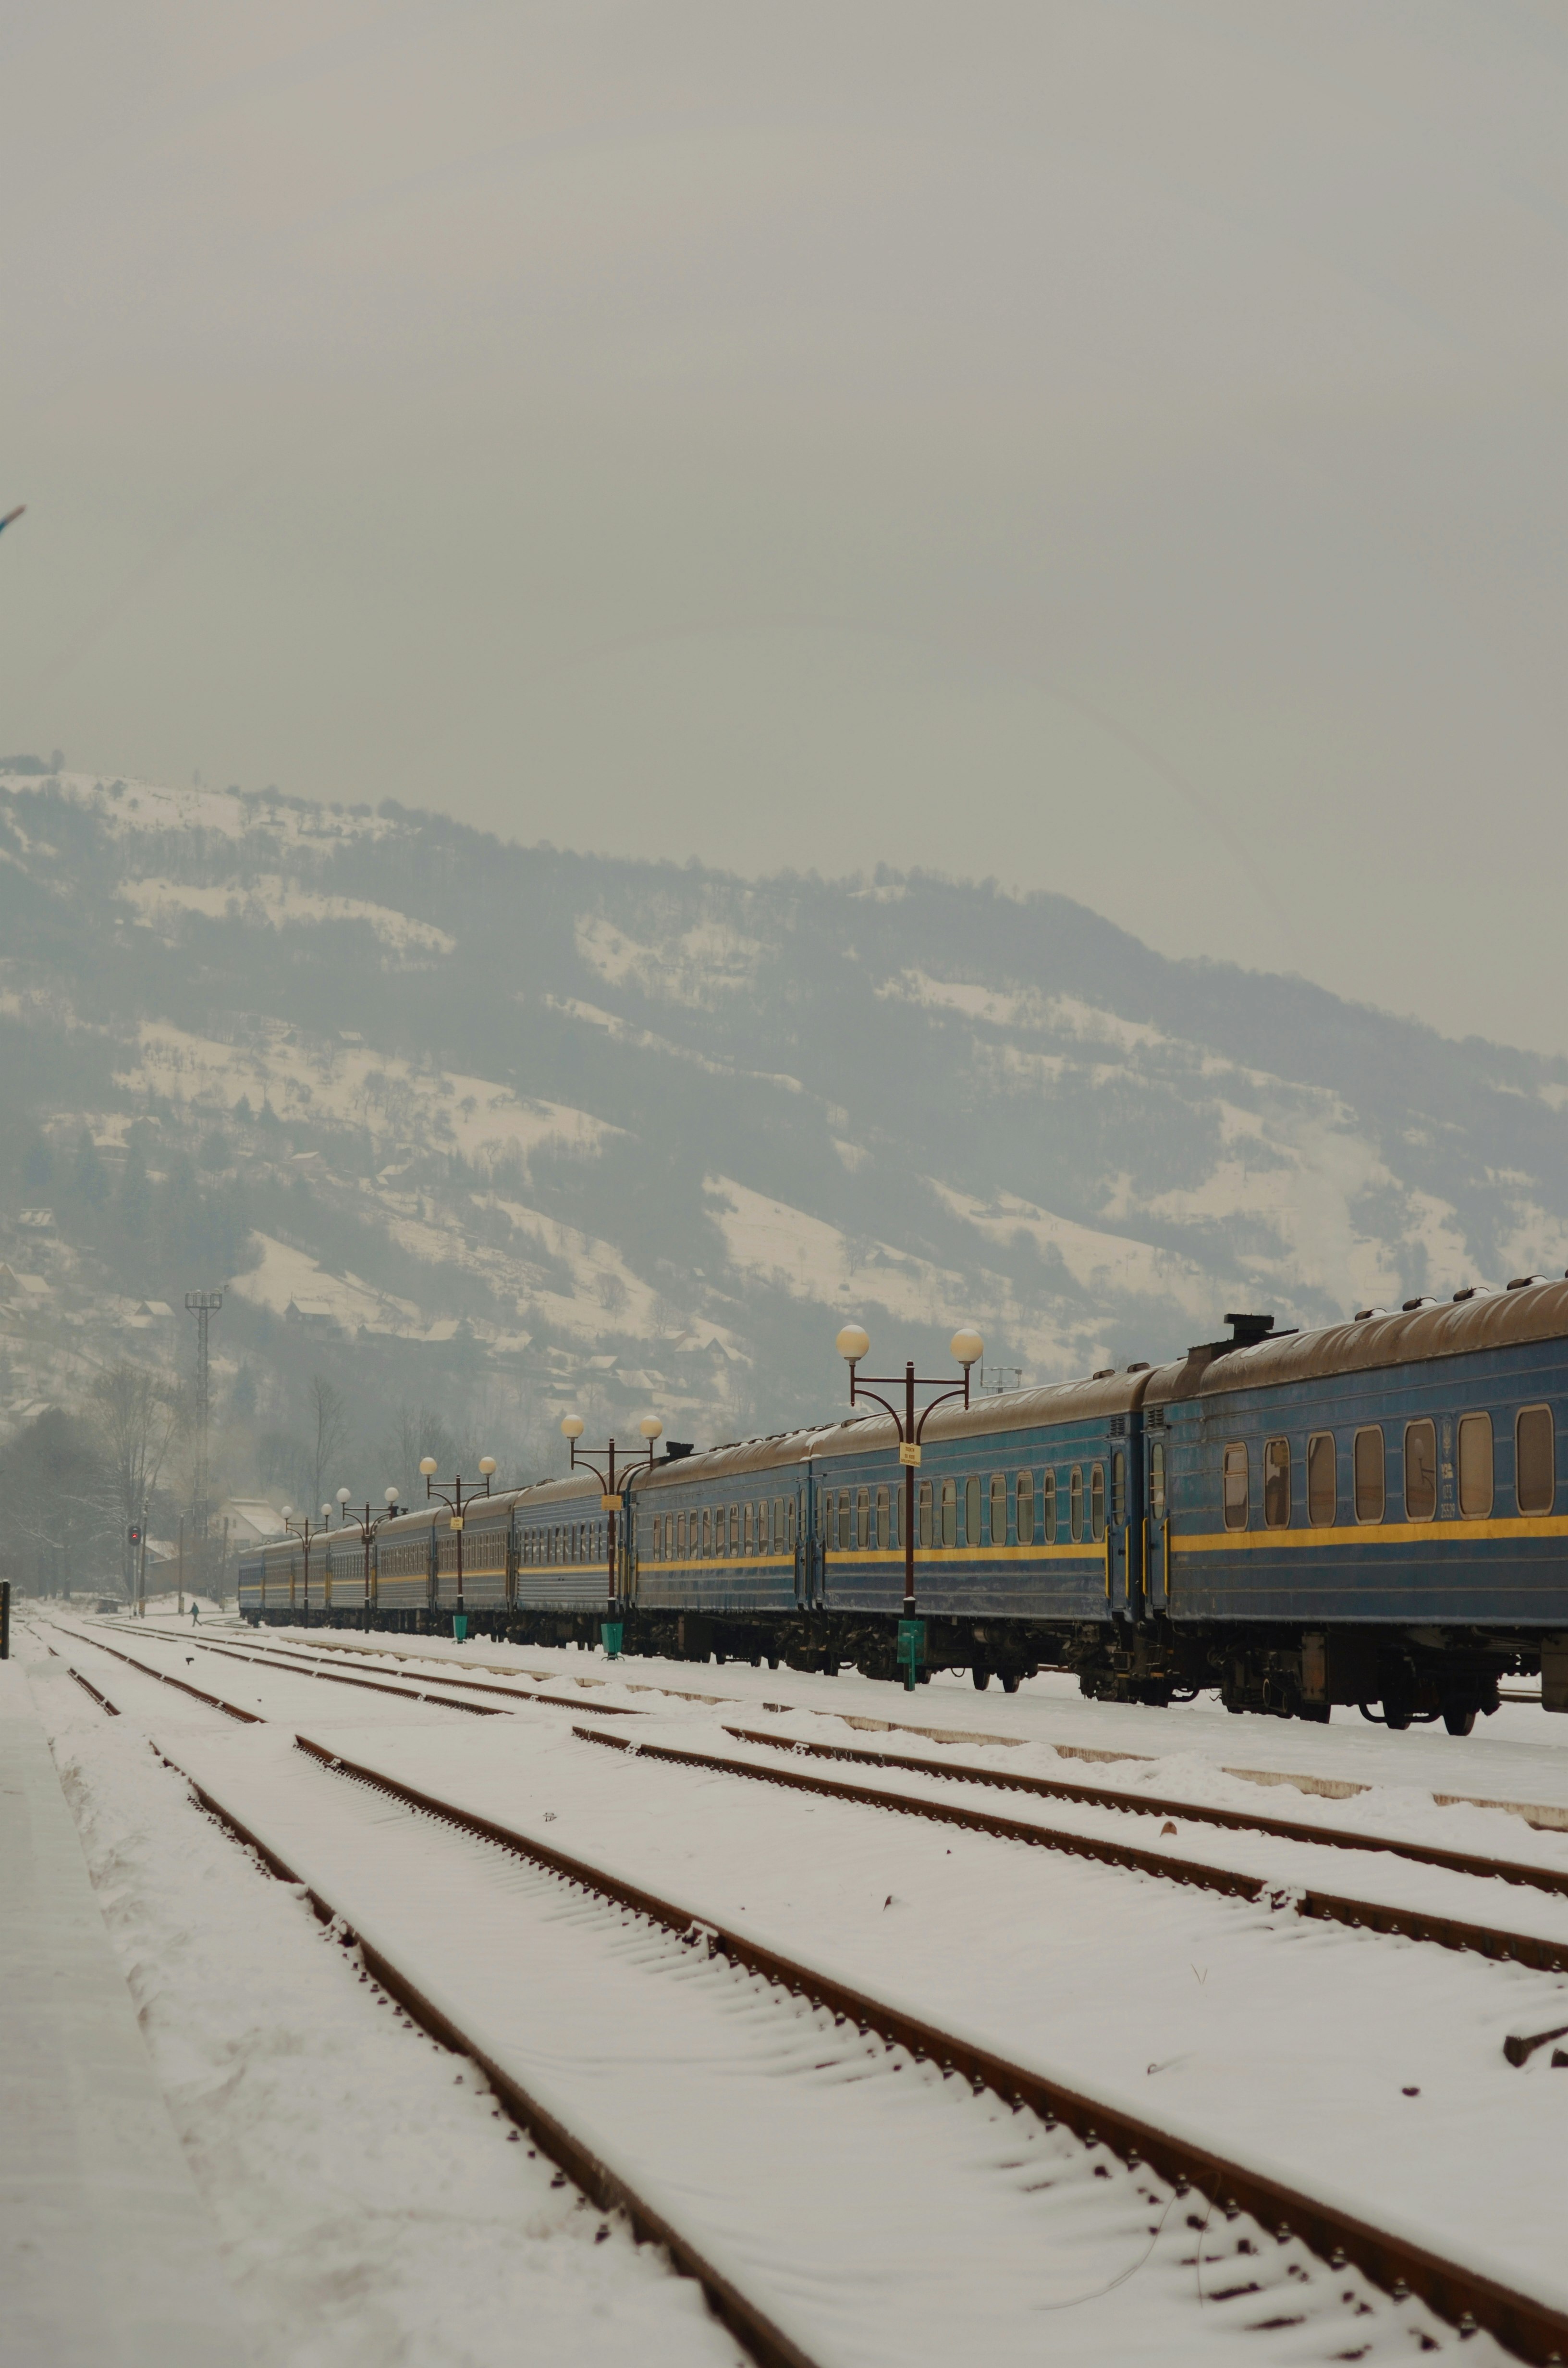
{"x":499,"y":1129}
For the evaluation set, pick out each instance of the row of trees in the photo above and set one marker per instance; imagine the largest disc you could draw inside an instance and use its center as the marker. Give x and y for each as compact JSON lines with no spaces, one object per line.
{"x":187,"y":1218}
{"x":75,"y":1484}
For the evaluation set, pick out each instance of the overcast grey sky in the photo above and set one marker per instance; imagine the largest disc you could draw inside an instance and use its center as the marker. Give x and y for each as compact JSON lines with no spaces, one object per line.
{"x":1119,"y":448}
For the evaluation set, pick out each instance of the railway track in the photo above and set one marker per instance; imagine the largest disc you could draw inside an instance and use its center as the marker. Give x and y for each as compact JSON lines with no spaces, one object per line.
{"x":1269,"y":2258}
{"x":1543,"y":1953}
{"x":448,"y":1698}
{"x":1544,"y":1816}
{"x":1399,"y":1919}
{"x":1203,"y":1813}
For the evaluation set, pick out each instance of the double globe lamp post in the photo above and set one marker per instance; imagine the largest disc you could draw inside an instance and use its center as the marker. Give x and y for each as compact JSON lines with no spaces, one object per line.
{"x":451,"y":1494}
{"x":299,"y":1526}
{"x":367,"y":1524}
{"x":612,"y":1499}
{"x":967,"y":1348}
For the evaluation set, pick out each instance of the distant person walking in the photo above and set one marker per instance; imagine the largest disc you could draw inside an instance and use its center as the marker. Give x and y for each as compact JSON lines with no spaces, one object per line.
{"x":193,"y":1613}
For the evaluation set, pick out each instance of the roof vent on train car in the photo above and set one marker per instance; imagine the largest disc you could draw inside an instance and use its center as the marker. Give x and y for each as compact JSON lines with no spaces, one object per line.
{"x":1144,"y":1367}
{"x":1247,"y":1329}
{"x":1409,"y":1306}
{"x":1526,"y":1281}
{"x":1106,"y":1373}
{"x":677,"y":1450}
{"x":1473,"y":1291}
{"x":1362,"y":1313}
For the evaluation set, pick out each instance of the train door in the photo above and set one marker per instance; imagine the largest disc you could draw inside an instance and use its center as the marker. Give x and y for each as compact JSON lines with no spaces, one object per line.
{"x":1156,"y":1519}
{"x":810,"y":1573}
{"x":1109,"y":1514}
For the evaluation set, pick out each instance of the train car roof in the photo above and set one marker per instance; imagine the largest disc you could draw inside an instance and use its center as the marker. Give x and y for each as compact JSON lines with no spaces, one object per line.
{"x":1490,"y":1319}
{"x":1058,"y":1401}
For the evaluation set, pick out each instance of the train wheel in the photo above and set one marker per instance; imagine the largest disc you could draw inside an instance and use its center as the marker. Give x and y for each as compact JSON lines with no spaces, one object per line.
{"x":1009,"y":1682}
{"x":982,"y":1678}
{"x":1459,"y":1722}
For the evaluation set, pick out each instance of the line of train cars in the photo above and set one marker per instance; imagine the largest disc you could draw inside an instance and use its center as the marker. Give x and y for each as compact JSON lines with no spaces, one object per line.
{"x":1365,"y":1514}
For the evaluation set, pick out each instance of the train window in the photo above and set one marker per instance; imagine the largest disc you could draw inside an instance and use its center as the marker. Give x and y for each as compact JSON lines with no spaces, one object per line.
{"x":841,"y":1534}
{"x":1233,"y":1485}
{"x":1097,"y":1502}
{"x":1075,"y":1502}
{"x":1475,"y":1466}
{"x":862,"y":1517}
{"x":971,"y":1511}
{"x":1323,"y":1481}
{"x":884,"y":1518}
{"x":1119,"y":1488}
{"x":707,"y":1530}
{"x":1420,"y":1472}
{"x":1535,"y":1461}
{"x":998,"y":1509}
{"x":669,"y":1537}
{"x":1277,"y":1484}
{"x":1157,"y":1479}
{"x":734,"y":1529}
{"x":790,"y":1519}
{"x":1368,"y":1463}
{"x":949,"y":1512}
{"x":1024,"y":1502}
{"x":745,"y":1535}
{"x":923,"y":1518}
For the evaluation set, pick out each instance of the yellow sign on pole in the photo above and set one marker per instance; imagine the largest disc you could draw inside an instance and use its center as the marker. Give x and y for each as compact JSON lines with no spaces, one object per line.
{"x":908,"y":1454}
{"x":612,"y":1504}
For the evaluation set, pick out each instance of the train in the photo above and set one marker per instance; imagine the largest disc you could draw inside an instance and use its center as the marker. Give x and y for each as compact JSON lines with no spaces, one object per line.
{"x":1362,"y":1515}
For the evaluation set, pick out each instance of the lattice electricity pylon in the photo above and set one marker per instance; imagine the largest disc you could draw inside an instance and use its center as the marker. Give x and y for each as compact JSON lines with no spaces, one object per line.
{"x":203,"y":1305}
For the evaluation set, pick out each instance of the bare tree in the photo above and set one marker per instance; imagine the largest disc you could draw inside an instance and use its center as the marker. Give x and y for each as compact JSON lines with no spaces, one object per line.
{"x":328,"y":1424}
{"x":136,"y":1416}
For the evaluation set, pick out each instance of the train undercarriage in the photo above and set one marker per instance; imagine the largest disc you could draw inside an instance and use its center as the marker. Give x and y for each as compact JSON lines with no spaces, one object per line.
{"x":1396,"y":1677}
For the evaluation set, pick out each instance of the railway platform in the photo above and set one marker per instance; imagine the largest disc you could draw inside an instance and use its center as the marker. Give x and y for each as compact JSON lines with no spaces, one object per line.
{"x":107,"y":2258}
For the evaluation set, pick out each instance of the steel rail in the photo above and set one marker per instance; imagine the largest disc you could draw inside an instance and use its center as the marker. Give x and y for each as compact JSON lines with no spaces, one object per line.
{"x":277,"y":1657}
{"x":1374,"y":1916}
{"x":1465,"y":2296}
{"x":333,"y":1676}
{"x":214,"y":1702}
{"x":1049,"y":1788}
{"x":745,"y":2319}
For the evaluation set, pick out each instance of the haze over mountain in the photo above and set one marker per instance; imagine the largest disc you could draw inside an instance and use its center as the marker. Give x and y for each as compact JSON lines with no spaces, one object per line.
{"x":491,"y":1131}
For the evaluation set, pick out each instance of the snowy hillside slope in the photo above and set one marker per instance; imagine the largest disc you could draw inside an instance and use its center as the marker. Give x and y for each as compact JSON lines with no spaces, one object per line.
{"x":507,"y":1116}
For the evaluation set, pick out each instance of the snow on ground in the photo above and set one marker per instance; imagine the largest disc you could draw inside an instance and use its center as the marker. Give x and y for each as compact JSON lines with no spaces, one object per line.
{"x":132,"y":806}
{"x":1099,"y":1262}
{"x":270,"y":898}
{"x":1357,"y":2065}
{"x":285,"y":1273}
{"x":1298,"y":2045}
{"x":369,"y":2208}
{"x":351,"y":1085}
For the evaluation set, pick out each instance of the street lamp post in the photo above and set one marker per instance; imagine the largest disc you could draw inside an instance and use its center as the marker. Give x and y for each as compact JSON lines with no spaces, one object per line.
{"x":612,"y":1499}
{"x":302,"y":1530}
{"x":367,"y":1524}
{"x":967,"y":1349}
{"x":451,"y":1493}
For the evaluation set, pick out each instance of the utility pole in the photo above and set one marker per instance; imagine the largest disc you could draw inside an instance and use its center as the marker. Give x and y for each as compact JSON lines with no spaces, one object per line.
{"x":203,"y":1305}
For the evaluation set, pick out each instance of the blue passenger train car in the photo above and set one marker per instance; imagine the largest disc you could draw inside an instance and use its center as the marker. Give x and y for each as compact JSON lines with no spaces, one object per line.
{"x":1367,"y":1514}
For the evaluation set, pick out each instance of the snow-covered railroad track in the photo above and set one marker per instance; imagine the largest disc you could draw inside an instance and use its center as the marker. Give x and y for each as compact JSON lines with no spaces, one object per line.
{"x":1407,"y":1920}
{"x":446,"y":1694}
{"x":1152,"y":1805}
{"x":257,"y":1765}
{"x":1159,"y":2170}
{"x":837,"y":2215}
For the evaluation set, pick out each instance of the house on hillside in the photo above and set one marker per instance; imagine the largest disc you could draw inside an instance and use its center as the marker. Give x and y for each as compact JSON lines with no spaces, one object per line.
{"x":252,"y":1521}
{"x":312,"y":1314}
